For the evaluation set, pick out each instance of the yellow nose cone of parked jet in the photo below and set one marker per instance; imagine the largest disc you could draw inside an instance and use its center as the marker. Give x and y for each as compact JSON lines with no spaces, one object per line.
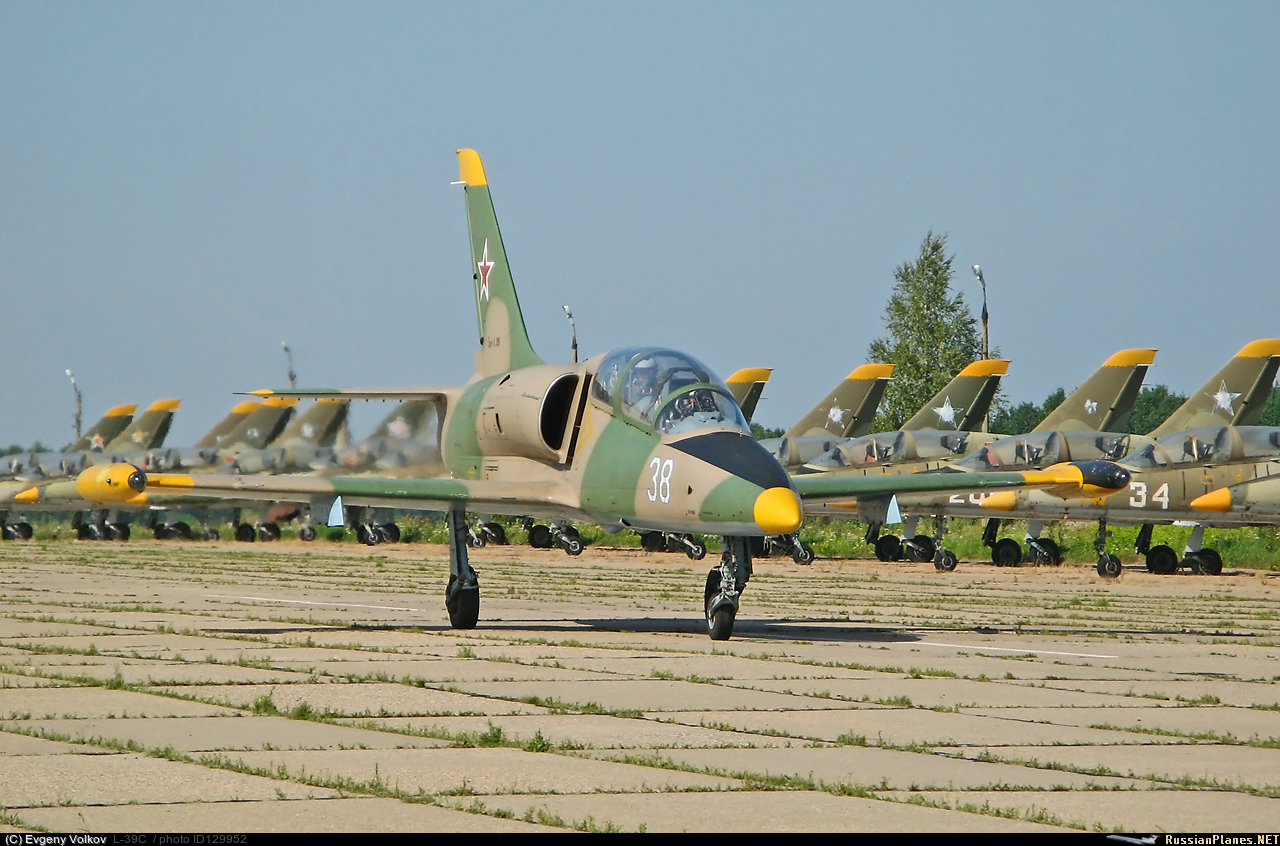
{"x":1219,"y":500}
{"x":777,"y":511}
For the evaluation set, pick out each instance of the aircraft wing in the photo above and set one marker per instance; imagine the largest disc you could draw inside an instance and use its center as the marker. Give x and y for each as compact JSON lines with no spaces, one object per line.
{"x":842,"y":491}
{"x":429,"y":494}
{"x":427,"y":393}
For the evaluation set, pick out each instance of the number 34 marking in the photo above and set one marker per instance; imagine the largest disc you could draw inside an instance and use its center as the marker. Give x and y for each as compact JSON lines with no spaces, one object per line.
{"x":660,"y":484}
{"x":1139,"y":498}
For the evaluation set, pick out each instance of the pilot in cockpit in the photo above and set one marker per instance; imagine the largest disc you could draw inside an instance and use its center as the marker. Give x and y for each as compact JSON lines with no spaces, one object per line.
{"x":642,"y":388}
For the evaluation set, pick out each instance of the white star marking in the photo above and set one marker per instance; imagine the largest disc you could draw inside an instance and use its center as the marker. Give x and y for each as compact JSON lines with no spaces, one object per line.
{"x":1223,"y":399}
{"x":1090,"y":407}
{"x":485,"y":266}
{"x":836,"y":414}
{"x":947,"y":413}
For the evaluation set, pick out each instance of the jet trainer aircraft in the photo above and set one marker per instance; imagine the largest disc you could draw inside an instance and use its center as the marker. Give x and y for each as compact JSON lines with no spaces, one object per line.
{"x":640,"y":437}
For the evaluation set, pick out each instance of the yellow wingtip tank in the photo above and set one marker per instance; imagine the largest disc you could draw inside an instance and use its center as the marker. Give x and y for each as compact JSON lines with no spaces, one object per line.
{"x":1130,"y":358}
{"x":470,"y":168}
{"x":111,"y":483}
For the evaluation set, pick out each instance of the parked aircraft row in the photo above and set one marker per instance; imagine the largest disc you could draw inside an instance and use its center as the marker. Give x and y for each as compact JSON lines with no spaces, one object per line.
{"x":641,"y":438}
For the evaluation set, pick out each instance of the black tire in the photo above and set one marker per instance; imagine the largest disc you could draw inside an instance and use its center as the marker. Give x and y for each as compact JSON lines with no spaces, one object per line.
{"x":1193,"y":562}
{"x":572,"y":545}
{"x":475,"y":540}
{"x":923,"y":547}
{"x":118,"y":531}
{"x":7,"y":534}
{"x":307,"y":533}
{"x":268,"y":532}
{"x":540,"y":537}
{"x":1006,"y":553}
{"x":696,"y":550}
{"x":1109,"y":566}
{"x":1210,"y":562}
{"x":653,"y":541}
{"x":245,"y":533}
{"x":96,"y":532}
{"x":496,"y":534}
{"x":888,"y":548}
{"x":463,"y":605}
{"x":1162,"y":560}
{"x":390,"y":532}
{"x":212,"y":535}
{"x":720,"y":623}
{"x":945,"y":561}
{"x":759,"y":547}
{"x":181,"y":531}
{"x":803,"y":555}
{"x":1047,"y":551}
{"x":711,"y":591}
{"x":23,"y":531}
{"x":160,"y":532}
{"x":368,"y":535}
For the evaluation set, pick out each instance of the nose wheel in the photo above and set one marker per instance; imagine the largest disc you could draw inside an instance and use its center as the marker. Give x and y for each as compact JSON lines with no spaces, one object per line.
{"x":724,"y":587}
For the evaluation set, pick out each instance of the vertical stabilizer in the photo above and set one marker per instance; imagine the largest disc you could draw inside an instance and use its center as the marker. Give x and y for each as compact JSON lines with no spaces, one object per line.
{"x":1235,"y":394}
{"x":261,"y":426}
{"x":963,"y":403}
{"x":504,"y":343}
{"x":746,"y":386}
{"x":115,"y":421}
{"x":850,"y":408}
{"x":148,"y":430}
{"x":219,"y":432}
{"x":317,"y":426}
{"x":1104,"y":402}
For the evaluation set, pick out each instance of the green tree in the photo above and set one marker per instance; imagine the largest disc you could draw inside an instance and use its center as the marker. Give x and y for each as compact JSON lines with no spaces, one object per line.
{"x":760,"y":433}
{"x":931,"y":333}
{"x":1022,"y":418}
{"x":1271,"y":411}
{"x":1151,"y":408}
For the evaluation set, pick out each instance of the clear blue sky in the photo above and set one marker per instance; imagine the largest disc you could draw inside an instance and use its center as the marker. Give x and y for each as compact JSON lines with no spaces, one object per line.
{"x":184,"y":185}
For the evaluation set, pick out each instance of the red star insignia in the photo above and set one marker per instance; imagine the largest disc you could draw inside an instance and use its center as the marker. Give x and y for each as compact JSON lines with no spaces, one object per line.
{"x":485,"y":266}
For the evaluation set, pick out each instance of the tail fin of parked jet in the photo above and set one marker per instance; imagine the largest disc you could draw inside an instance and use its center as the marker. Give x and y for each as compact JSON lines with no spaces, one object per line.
{"x":746,"y":386}
{"x":115,"y":421}
{"x":964,"y":402}
{"x":1235,"y":394}
{"x":504,"y":343}
{"x":224,"y":426}
{"x":847,"y":412}
{"x":148,"y":430}
{"x":262,"y":425}
{"x":318,"y":426}
{"x":1105,"y":400}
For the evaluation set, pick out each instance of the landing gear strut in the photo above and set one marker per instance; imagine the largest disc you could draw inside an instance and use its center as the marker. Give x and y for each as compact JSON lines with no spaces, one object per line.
{"x":725,"y":585}
{"x":462,"y":596}
{"x":1108,"y":565}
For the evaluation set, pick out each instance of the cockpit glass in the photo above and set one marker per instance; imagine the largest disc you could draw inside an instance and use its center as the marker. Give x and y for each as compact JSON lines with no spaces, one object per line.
{"x":1260,"y":441}
{"x":1148,"y":457}
{"x":668,"y":390}
{"x":1194,"y":446}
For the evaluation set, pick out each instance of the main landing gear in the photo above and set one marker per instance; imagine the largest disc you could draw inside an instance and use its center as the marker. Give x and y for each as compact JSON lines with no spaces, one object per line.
{"x":1163,"y":561}
{"x":1108,"y":564}
{"x":1007,"y":552}
{"x":791,"y":545}
{"x":914,"y":547}
{"x":462,"y":596}
{"x":724,"y":587}
{"x":559,"y":534}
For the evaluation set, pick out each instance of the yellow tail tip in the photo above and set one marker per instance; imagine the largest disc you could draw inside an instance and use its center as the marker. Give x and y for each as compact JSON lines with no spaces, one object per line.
{"x":121,"y":411}
{"x":750,"y":374}
{"x":871,"y":371}
{"x":986,"y":367}
{"x":1130,"y":358}
{"x":1219,"y":500}
{"x":164,"y":405}
{"x":470,"y":168}
{"x":1263,"y":348}
{"x":777,"y":511}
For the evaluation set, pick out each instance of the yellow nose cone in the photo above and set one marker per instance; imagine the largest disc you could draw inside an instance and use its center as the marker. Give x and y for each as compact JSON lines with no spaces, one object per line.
{"x":1219,"y":500}
{"x":777,"y":511}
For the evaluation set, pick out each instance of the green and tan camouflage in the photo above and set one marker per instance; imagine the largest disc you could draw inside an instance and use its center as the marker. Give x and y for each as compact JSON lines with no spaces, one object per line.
{"x":1103,"y":402}
{"x":850,"y":409}
{"x":1234,"y":395}
{"x":147,"y":431}
{"x":641,"y":437}
{"x":115,"y":421}
{"x":746,"y":386}
{"x":963,"y":403}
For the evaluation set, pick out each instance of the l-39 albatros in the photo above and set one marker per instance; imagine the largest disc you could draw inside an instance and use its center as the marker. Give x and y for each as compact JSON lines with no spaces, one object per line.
{"x":641,"y":437}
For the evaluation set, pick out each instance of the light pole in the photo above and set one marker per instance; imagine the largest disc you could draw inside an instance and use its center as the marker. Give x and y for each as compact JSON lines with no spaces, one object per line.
{"x":75,"y":388}
{"x":977,"y":271}
{"x":569,"y":315}
{"x":293,"y":377}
